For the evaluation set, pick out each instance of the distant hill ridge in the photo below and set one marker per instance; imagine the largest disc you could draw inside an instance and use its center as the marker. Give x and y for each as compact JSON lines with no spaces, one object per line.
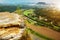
{"x":42,"y":3}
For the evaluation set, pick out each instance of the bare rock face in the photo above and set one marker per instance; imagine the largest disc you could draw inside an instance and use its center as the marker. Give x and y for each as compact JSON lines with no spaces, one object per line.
{"x":7,"y":19}
{"x":11,"y":26}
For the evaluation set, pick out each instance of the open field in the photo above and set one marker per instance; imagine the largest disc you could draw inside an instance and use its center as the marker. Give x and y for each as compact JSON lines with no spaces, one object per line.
{"x":45,"y":31}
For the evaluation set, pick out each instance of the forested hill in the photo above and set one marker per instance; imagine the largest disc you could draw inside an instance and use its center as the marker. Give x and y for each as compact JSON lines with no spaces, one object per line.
{"x":12,"y":8}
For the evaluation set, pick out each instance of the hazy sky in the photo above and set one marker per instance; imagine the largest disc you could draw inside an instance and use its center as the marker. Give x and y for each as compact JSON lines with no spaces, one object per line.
{"x":28,"y":1}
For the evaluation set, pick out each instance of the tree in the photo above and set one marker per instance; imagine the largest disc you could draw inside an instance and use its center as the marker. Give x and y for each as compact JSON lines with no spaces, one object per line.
{"x":19,"y":10}
{"x":51,"y":14}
